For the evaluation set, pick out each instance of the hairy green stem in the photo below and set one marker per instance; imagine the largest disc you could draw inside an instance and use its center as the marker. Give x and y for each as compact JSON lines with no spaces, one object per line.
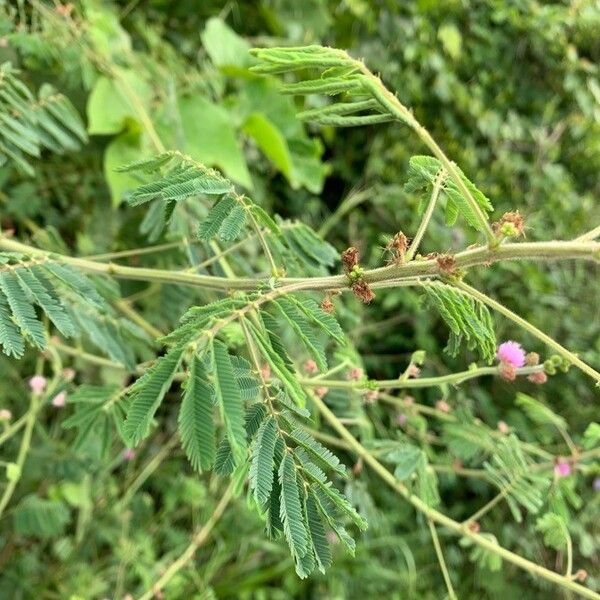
{"x":435,"y":193}
{"x":554,"y":250}
{"x":422,"y":382}
{"x":442,"y":519}
{"x":440,"y":557}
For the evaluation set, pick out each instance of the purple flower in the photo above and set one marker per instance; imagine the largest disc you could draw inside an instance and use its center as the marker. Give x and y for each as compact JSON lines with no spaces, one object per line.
{"x":401,"y":419}
{"x":38,"y":384}
{"x":562,"y":468}
{"x":128,"y":454}
{"x":511,"y":353}
{"x":596,"y":484}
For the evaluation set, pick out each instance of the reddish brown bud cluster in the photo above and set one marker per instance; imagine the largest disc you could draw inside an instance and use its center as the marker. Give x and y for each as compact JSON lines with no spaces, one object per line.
{"x":446,"y":263}
{"x":350,"y":258}
{"x":397,"y":246}
{"x":362,"y":291}
{"x":511,"y":224}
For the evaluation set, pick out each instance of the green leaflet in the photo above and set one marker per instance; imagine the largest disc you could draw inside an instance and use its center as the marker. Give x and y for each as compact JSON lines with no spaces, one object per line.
{"x":466,"y":318}
{"x":22,"y":310}
{"x":510,"y":470}
{"x":317,"y":534}
{"x":261,"y":469}
{"x":224,"y":463}
{"x":147,"y":394}
{"x":35,"y":285}
{"x":196,"y":424}
{"x":229,"y":399}
{"x":554,"y":528}
{"x":226,"y":218}
{"x":423,"y":171}
{"x":538,"y":412}
{"x":317,"y":450}
{"x":28,"y":124}
{"x":303,"y":330}
{"x":290,"y":510}
{"x":286,"y":376}
{"x":10,"y":336}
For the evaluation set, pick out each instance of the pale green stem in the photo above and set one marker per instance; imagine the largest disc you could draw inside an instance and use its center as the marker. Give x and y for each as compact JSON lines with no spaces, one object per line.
{"x":398,"y":110}
{"x":488,"y":506}
{"x":590,"y":235}
{"x":421,"y":382}
{"x":263,"y":242}
{"x":437,"y":186}
{"x":476,"y":256}
{"x":440,"y":557}
{"x":136,"y":251}
{"x":572,"y":358}
{"x":442,"y":519}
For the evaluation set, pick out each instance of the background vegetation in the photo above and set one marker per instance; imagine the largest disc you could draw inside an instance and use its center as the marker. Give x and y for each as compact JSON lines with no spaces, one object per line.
{"x":510,"y":90}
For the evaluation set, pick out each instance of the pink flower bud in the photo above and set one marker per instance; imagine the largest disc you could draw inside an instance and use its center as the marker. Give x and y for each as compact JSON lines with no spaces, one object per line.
{"x":413,"y":371}
{"x":5,"y":415}
{"x":59,"y":400}
{"x":310,"y":367}
{"x":38,"y":384}
{"x":128,"y":454}
{"x":408,"y":400}
{"x":539,"y":377}
{"x":507,"y":372}
{"x":332,"y":538}
{"x":354,"y":374}
{"x":562,"y":468}
{"x":265,"y":371}
{"x":401,"y":419}
{"x":502,"y":427}
{"x":443,"y":406}
{"x":69,"y":373}
{"x":321,"y":391}
{"x":511,"y":353}
{"x":370,"y":396}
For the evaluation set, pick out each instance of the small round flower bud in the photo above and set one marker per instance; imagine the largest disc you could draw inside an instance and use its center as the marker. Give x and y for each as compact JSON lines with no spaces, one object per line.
{"x":580,"y":575}
{"x":37,"y":384}
{"x":507,"y":372}
{"x":532,"y":359}
{"x":265,"y":371}
{"x":350,"y":258}
{"x":401,"y":419}
{"x":556,"y":360}
{"x":68,"y":374}
{"x":321,"y":391}
{"x":413,"y":371}
{"x":474,"y":526}
{"x":540,"y":377}
{"x":59,"y":400}
{"x":128,"y":454}
{"x":354,"y":374}
{"x":502,"y":427}
{"x":596,"y":484}
{"x":562,"y":468}
{"x":5,"y":414}
{"x":327,"y":305}
{"x":310,"y":367}
{"x":408,"y":400}
{"x":443,"y":406}
{"x":370,"y":396}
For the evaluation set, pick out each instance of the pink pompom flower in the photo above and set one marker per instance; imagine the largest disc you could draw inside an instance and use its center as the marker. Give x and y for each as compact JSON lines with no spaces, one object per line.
{"x":511,"y":353}
{"x":128,"y":454}
{"x":562,"y":468}
{"x":59,"y":400}
{"x":37,"y":384}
